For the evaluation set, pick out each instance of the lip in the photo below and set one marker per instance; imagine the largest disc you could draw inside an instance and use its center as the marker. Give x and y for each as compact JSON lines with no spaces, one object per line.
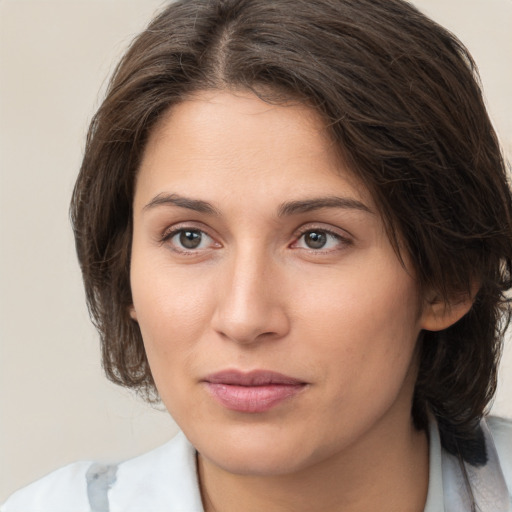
{"x":252,"y":392}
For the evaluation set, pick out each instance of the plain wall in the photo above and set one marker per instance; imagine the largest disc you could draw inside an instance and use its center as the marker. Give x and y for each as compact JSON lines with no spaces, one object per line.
{"x":55,"y":404}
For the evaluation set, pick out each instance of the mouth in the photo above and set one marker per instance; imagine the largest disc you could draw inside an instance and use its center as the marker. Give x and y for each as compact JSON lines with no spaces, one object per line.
{"x":252,"y":392}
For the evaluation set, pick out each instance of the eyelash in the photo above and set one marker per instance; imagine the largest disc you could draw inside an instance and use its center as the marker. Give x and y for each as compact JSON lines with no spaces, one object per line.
{"x":345,"y":241}
{"x":169,"y":234}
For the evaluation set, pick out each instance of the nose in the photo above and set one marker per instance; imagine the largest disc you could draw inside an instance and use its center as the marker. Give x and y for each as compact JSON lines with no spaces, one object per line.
{"x":251,"y":305}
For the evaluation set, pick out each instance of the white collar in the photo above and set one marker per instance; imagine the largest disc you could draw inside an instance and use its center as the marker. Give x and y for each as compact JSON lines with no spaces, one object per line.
{"x":447,"y":488}
{"x":166,"y":479}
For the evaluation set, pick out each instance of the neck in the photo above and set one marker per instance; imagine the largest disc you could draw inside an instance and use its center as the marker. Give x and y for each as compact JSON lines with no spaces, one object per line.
{"x":387,"y":471}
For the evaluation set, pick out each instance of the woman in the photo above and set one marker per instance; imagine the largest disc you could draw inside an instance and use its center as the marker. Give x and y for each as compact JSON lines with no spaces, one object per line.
{"x":295,"y":229}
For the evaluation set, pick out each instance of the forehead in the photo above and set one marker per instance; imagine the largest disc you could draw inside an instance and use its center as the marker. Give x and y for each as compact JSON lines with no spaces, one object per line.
{"x":236,"y":140}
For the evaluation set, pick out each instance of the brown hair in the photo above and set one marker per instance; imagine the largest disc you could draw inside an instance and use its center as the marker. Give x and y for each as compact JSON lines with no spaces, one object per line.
{"x":401,"y":97}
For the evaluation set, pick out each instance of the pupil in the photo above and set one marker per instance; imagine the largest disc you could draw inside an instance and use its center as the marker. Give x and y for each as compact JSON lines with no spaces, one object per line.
{"x":315,"y":240}
{"x":190,"y":239}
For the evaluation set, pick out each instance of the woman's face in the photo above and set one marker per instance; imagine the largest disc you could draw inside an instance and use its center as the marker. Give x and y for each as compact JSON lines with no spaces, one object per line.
{"x":279,"y":325}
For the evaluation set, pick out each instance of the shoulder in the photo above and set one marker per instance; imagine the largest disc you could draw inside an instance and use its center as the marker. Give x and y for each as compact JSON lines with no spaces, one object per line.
{"x":162,"y":479}
{"x":61,"y":491}
{"x":501,"y":431}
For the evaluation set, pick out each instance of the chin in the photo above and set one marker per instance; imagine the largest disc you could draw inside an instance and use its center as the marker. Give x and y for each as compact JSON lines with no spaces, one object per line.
{"x":269,"y":462}
{"x":256,"y":452}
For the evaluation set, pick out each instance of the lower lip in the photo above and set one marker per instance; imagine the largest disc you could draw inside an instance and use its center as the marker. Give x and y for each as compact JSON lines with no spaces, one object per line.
{"x":253,"y":399}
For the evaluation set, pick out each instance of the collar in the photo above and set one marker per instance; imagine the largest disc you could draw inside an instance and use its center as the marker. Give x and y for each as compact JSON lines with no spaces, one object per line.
{"x":170,"y":480}
{"x":448,"y":488}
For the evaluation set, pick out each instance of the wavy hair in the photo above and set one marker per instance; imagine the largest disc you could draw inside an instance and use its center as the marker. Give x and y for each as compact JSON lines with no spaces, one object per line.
{"x":402,"y":99}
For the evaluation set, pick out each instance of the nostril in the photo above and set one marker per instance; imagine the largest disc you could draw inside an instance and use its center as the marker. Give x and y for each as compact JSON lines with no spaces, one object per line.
{"x":252,"y":326}
{"x":250,"y":306}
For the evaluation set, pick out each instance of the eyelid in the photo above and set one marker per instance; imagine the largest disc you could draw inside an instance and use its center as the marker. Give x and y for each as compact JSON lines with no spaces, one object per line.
{"x":328,"y":228}
{"x":171,"y":231}
{"x":344,"y":237}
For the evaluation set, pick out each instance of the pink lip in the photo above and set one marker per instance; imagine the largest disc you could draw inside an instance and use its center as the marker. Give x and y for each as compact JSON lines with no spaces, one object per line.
{"x":252,"y":392}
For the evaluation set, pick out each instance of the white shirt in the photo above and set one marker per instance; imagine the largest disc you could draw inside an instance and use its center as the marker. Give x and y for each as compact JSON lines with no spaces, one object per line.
{"x":165,"y":480}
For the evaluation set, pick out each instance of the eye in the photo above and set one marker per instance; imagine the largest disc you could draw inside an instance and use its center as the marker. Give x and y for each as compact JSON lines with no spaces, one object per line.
{"x":319,"y":239}
{"x":188,"y":239}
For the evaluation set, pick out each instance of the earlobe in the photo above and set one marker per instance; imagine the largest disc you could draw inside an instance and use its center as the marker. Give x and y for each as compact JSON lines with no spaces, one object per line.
{"x":133,"y":313}
{"x":438,"y":314}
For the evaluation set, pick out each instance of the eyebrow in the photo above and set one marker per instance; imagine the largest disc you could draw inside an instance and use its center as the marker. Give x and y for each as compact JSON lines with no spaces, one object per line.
{"x":286,"y":209}
{"x":308,"y":205}
{"x":183,"y":202}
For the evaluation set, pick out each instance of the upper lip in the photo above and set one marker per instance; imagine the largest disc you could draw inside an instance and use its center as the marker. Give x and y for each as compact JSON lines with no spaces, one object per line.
{"x":252,"y":378}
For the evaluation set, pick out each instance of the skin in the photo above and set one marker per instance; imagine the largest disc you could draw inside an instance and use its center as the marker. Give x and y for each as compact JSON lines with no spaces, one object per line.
{"x":344,"y":318}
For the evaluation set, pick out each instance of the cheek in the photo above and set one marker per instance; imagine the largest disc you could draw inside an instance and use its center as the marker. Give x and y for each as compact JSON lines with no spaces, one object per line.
{"x":365,"y":323}
{"x":172,"y":309}
{"x":363,"y":298}
{"x":171,"y":317}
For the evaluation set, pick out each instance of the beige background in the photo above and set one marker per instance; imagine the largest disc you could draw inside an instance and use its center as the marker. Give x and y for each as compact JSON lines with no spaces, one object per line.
{"x":55,"y":405}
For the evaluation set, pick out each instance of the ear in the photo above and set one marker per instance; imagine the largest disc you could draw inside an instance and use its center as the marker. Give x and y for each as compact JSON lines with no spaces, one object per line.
{"x":438,"y":314}
{"x":133,"y":313}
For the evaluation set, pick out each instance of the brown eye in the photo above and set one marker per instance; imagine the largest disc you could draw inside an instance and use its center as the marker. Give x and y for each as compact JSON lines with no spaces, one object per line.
{"x":189,"y":239}
{"x":315,"y":239}
{"x":320,"y":240}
